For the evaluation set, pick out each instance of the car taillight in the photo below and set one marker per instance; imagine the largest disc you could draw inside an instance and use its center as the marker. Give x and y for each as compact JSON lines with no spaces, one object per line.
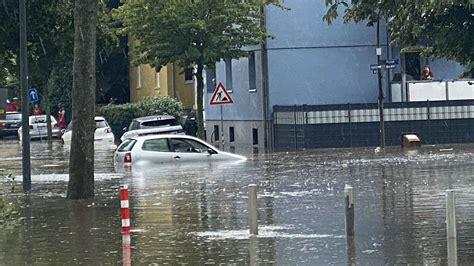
{"x":127,"y":158}
{"x":2,"y":124}
{"x":31,"y":126}
{"x":108,"y":130}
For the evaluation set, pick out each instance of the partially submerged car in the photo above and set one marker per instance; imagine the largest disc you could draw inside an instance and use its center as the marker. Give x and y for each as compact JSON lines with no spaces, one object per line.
{"x":10,"y":122}
{"x":39,"y":127}
{"x":169,"y":148}
{"x":102,"y":134}
{"x":152,"y":125}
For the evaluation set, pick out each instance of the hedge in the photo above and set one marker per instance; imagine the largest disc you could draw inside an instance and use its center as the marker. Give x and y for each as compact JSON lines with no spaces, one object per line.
{"x":120,"y":115}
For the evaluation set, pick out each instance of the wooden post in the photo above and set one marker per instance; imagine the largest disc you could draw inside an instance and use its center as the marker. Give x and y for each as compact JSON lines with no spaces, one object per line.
{"x":451,"y":227}
{"x":252,"y":205}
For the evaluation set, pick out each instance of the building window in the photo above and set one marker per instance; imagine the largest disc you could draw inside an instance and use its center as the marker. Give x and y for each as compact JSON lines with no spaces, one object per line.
{"x":216,"y":132}
{"x":157,"y":80}
{"x":228,"y":74}
{"x":231,"y":134}
{"x":210,"y":79}
{"x":413,"y":66}
{"x":252,"y":74}
{"x":254,"y":136}
{"x":188,"y":74}
{"x":139,"y":77}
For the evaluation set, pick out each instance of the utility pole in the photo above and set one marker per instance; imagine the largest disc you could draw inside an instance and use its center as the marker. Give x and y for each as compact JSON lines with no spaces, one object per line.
{"x":381,"y":96}
{"x":25,"y":142}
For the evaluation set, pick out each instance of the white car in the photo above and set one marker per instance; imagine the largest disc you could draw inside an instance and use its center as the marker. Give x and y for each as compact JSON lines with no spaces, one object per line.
{"x":38,"y":128}
{"x":169,"y":148}
{"x":103,"y":132}
{"x":152,"y":125}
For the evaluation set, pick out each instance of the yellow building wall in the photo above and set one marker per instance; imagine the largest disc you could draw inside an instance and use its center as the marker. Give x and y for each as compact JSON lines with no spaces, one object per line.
{"x":144,"y":82}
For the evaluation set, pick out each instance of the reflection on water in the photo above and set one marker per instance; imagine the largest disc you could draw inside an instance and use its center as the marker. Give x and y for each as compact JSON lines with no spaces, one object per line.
{"x":198,"y":214}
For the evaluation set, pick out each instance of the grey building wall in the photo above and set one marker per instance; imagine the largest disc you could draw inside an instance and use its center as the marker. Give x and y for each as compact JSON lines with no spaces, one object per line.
{"x":443,"y":69}
{"x":243,"y":135}
{"x":311,"y":62}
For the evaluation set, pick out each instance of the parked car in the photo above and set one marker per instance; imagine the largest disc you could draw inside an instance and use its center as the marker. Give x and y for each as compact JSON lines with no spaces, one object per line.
{"x":167,"y":149}
{"x":102,"y":134}
{"x":152,"y":125}
{"x":38,"y":127}
{"x":9,"y":124}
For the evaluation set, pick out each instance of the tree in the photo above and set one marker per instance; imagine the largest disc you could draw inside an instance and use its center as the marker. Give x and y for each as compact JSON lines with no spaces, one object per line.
{"x":199,"y":32}
{"x":81,"y":160}
{"x":50,"y":45}
{"x":437,"y":28}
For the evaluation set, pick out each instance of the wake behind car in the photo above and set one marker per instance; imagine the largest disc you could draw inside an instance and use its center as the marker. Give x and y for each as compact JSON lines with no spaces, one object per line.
{"x":102,"y":134}
{"x":152,"y":125}
{"x":38,"y":127}
{"x":167,"y":149}
{"x":9,"y":124}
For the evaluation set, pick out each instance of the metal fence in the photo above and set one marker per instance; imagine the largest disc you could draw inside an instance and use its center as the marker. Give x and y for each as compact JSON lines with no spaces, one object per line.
{"x":351,"y":125}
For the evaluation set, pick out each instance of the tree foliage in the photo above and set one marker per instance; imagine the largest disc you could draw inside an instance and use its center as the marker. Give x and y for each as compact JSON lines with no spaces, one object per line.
{"x":437,"y":28}
{"x":50,"y":31}
{"x":199,"y":32}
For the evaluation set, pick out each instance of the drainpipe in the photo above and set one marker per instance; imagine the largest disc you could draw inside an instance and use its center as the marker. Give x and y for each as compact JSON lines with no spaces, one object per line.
{"x":267,"y":136}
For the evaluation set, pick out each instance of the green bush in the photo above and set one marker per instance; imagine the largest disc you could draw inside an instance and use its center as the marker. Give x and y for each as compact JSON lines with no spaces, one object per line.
{"x":120,"y":115}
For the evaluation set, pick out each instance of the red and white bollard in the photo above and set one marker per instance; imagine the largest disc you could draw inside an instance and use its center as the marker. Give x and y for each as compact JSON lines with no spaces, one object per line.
{"x":124,"y":209}
{"x":126,"y":250}
{"x":125,"y":215}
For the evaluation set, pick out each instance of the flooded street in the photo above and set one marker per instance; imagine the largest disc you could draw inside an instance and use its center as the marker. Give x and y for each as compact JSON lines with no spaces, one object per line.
{"x":197,"y":214}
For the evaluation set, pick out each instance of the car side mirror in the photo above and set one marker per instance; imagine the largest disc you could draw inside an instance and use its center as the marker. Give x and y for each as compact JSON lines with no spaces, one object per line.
{"x":211,"y":151}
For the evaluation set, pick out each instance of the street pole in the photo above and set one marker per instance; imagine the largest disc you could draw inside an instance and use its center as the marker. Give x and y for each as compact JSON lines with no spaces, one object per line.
{"x":222,"y":128}
{"x":381,"y":96}
{"x":26,"y":165}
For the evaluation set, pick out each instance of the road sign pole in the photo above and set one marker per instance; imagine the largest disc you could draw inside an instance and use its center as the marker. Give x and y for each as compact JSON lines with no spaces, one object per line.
{"x":222,"y":127}
{"x":25,"y":142}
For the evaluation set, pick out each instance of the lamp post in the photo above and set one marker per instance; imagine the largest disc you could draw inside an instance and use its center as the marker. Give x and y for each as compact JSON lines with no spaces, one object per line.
{"x":25,"y":142}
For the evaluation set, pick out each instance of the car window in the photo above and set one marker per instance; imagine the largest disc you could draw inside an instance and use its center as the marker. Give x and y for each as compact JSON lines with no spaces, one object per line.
{"x":127,"y":145}
{"x":38,"y":119}
{"x":134,"y":125}
{"x":159,"y":123}
{"x":160,"y":145}
{"x":188,"y":145}
{"x":12,"y":117}
{"x":100,"y":124}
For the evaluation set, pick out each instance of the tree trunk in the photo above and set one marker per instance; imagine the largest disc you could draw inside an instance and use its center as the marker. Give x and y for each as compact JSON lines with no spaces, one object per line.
{"x":81,"y":159}
{"x":200,"y":91}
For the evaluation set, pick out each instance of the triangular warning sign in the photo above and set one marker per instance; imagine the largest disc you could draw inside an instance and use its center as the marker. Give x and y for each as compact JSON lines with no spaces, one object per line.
{"x":220,"y":95}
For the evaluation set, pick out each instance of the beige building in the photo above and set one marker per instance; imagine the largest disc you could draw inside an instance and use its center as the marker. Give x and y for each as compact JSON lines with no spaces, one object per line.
{"x":171,"y":80}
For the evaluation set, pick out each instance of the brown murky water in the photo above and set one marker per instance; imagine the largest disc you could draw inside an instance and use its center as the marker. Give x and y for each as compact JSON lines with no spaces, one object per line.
{"x":197,"y":214}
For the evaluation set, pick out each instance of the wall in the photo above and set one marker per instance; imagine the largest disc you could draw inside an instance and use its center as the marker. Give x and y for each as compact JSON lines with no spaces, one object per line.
{"x":311,"y":62}
{"x":247,"y":104}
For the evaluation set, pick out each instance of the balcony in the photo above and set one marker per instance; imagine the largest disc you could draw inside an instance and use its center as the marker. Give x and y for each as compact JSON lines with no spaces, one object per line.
{"x":433,"y":90}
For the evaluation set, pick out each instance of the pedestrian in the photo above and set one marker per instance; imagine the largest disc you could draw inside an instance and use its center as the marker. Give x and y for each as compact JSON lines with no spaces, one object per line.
{"x":61,"y":117}
{"x":427,"y":74}
{"x":10,"y":106}
{"x":37,"y":110}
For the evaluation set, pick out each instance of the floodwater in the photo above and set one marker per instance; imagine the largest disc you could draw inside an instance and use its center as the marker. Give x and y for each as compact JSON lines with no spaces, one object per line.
{"x":197,"y":214}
